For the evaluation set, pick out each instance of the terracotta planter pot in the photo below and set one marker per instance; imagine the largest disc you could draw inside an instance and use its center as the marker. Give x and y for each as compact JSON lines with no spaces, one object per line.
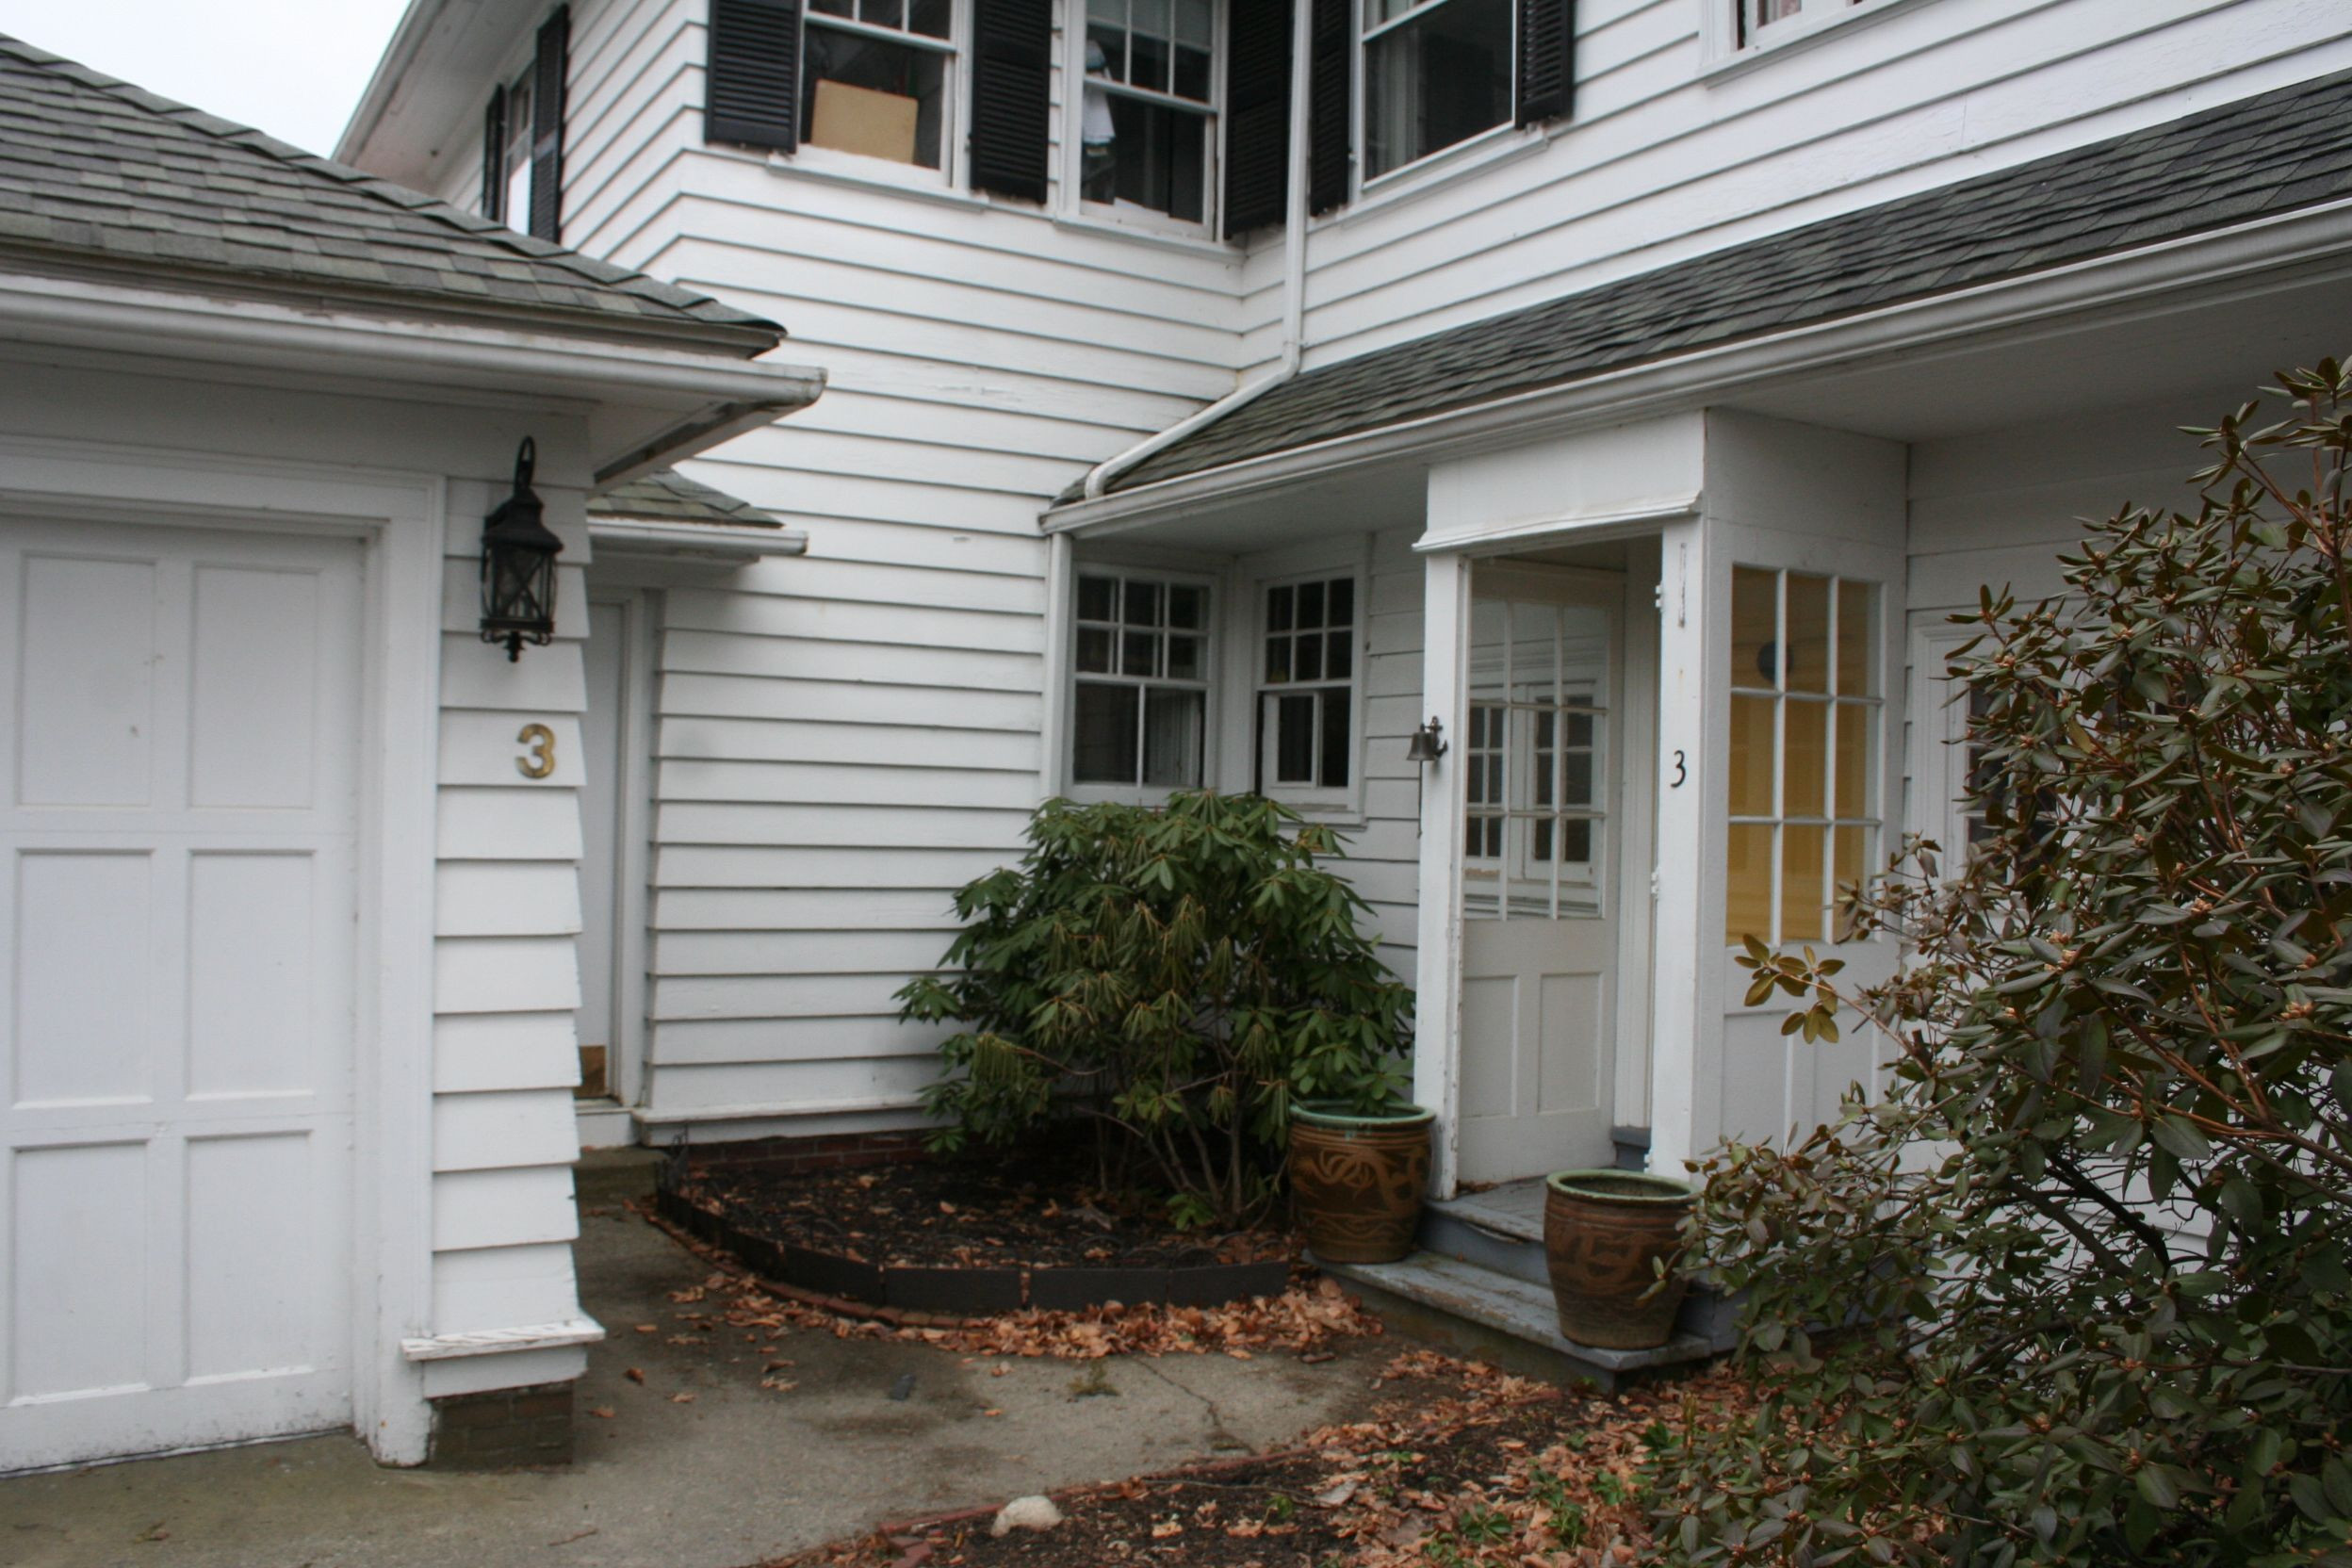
{"x":1358,"y":1181}
{"x":1604,"y":1231}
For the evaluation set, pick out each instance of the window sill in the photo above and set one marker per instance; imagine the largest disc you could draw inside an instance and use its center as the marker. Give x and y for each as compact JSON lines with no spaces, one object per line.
{"x":1503,"y":144}
{"x":1732,"y":63}
{"x":1192,"y":241}
{"x":873,"y":174}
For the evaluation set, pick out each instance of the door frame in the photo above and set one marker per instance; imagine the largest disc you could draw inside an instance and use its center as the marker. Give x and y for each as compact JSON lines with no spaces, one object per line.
{"x":1447,"y":577}
{"x":402,"y":519}
{"x":627,"y":1067}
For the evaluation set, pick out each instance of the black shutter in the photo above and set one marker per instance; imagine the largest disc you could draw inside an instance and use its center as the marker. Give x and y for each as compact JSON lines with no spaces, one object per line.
{"x":1012,"y":64}
{"x":494,"y":156}
{"x":546,"y":126}
{"x":1548,"y":59}
{"x":1330,"y":63}
{"x":1257,"y":115}
{"x":752,"y":80}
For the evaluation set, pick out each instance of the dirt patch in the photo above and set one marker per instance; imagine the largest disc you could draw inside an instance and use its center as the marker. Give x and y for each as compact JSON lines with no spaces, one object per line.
{"x":1491,"y":1471}
{"x":1033,"y":1210}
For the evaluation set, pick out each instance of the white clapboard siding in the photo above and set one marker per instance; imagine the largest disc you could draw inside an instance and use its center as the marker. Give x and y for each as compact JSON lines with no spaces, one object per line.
{"x":480,"y":1053}
{"x":503,"y":1287}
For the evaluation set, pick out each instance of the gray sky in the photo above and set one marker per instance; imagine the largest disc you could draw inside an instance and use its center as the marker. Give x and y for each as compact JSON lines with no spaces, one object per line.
{"x":293,"y":68}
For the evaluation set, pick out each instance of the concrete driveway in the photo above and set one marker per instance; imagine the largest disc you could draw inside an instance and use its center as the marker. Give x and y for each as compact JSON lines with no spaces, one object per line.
{"x":734,"y":1475}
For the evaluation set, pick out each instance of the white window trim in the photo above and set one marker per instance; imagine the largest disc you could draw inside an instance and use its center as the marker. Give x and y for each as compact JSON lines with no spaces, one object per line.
{"x":1723,"y":56}
{"x":1363,"y":181}
{"x":1070,"y":205}
{"x":1318,"y":799}
{"x":953,"y":130}
{"x":1210,"y":682}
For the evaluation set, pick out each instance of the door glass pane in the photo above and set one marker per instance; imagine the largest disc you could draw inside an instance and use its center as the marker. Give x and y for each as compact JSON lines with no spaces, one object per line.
{"x":1807,"y":633}
{"x":1752,"y":757}
{"x":1748,"y":879}
{"x":1755,"y":628}
{"x":1804,"y":769}
{"x":1172,"y":726}
{"x":1801,"y":894}
{"x":1104,"y":734}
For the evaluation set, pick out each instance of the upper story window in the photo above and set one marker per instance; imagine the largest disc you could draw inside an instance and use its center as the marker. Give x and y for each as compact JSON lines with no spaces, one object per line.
{"x":1435,"y":72}
{"x":1148,"y":118}
{"x":1307,"y":687}
{"x":522,"y":149}
{"x":1139,"y":715}
{"x":1737,"y":25}
{"x":876,"y":77}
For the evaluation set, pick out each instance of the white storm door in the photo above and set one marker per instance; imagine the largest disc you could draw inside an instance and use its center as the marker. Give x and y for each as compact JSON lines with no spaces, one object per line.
{"x":1536,"y":761}
{"x":178,"y":827}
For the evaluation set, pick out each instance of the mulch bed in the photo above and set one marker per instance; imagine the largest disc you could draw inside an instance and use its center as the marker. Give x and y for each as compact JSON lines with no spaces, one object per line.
{"x":1502,"y":1474}
{"x":967,"y":1237}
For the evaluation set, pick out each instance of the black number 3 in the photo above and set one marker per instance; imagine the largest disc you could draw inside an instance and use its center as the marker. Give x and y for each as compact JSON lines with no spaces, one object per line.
{"x":1682,"y":773}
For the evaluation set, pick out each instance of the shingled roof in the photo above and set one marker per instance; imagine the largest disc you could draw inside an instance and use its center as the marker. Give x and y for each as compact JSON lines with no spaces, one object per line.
{"x":666,"y":496}
{"x":95,"y":173}
{"x":2249,"y":159}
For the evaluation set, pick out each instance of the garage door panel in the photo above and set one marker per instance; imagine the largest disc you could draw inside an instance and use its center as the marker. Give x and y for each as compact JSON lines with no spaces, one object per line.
{"x":254,"y":1024}
{"x":84,"y":1021}
{"x":78,"y":1270}
{"x":88,"y":660}
{"x":263,"y":1251}
{"x":255,"y":713}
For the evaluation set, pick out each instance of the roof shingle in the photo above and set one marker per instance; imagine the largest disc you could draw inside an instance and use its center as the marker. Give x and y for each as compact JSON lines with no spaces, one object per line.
{"x":2259,"y":156}
{"x":96,"y":171}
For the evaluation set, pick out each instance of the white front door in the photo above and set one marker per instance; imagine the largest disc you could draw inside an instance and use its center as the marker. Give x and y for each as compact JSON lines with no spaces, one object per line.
{"x":1537,"y":766}
{"x":178,"y":826}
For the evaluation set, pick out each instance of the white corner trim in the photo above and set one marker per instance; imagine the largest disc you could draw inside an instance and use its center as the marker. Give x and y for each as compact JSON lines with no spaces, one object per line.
{"x":499,"y":1341}
{"x":640,"y":537}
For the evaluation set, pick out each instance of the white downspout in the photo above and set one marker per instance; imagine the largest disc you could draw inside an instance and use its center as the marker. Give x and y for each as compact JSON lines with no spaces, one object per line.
{"x":1294,"y":277}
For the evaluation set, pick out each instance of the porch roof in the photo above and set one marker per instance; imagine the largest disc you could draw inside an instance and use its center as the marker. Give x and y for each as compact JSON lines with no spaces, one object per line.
{"x":101,"y":177}
{"x":2274,"y":152}
{"x":666,"y":495}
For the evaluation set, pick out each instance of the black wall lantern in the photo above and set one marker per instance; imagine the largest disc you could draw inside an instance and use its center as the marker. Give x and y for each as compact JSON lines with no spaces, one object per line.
{"x":518,"y":565}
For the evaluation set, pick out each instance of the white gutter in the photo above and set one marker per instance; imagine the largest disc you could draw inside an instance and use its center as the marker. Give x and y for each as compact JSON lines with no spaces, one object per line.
{"x":2311,"y":237}
{"x":1294,"y":276}
{"x":641,"y":537}
{"x":716,"y":396}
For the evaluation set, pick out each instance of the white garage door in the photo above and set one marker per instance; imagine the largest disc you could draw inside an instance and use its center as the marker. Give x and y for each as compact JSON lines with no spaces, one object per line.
{"x":177,"y":832}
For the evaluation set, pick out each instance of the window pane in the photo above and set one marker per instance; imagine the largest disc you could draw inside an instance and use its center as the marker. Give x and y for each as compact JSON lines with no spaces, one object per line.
{"x":1541,"y":849}
{"x":1755,"y":628}
{"x":1183,"y":658}
{"x":1306,"y":658}
{"x":1802,"y":896}
{"x":1575,"y":841}
{"x":1139,"y":653}
{"x":1339,"y":602}
{"x":1338,"y":754}
{"x":1847,"y":870}
{"x":1143,"y":603}
{"x":1094,"y":651}
{"x":1338,"y":655}
{"x":1103,"y":738}
{"x":1097,"y":598}
{"x":931,"y":18}
{"x":1855,"y":723}
{"x":1276,"y":661}
{"x":1805,"y":766}
{"x":1440,"y":78}
{"x":1748,"y":906}
{"x":872,"y":97}
{"x":1752,"y":757}
{"x":1196,"y":21}
{"x":1173,"y":724}
{"x":1106,"y":55}
{"x":1187,"y":607}
{"x":1474,"y":782}
{"x":1293,"y":722}
{"x":1158,"y":156}
{"x":883,"y":13}
{"x":1576,"y":778}
{"x":834,"y":8}
{"x":1278,"y":607}
{"x":1854,"y":639}
{"x":1808,"y":639}
{"x":1310,"y":605}
{"x":1107,"y":10}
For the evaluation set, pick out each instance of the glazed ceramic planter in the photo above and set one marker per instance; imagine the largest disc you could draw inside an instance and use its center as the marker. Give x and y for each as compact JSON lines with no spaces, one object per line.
{"x":1604,"y":1232}
{"x":1358,"y":1181}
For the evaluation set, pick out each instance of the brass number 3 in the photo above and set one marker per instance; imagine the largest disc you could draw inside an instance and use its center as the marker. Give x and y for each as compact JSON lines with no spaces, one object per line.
{"x":540,"y":760}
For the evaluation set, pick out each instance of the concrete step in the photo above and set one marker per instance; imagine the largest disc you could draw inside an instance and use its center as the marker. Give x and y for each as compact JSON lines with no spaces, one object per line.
{"x":1499,"y":1317}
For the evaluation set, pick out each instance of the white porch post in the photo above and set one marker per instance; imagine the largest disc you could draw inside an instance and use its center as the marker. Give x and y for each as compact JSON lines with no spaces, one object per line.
{"x":1686,"y":777}
{"x":1437,"y":1051}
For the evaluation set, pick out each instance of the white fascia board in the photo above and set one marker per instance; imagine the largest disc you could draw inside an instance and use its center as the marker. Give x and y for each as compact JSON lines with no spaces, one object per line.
{"x":1707,"y":375}
{"x":682,"y":401}
{"x":433,"y":63}
{"x":642,"y":538}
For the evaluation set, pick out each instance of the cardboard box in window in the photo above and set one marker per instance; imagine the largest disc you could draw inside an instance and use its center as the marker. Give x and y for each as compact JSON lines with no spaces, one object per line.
{"x":859,"y":119}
